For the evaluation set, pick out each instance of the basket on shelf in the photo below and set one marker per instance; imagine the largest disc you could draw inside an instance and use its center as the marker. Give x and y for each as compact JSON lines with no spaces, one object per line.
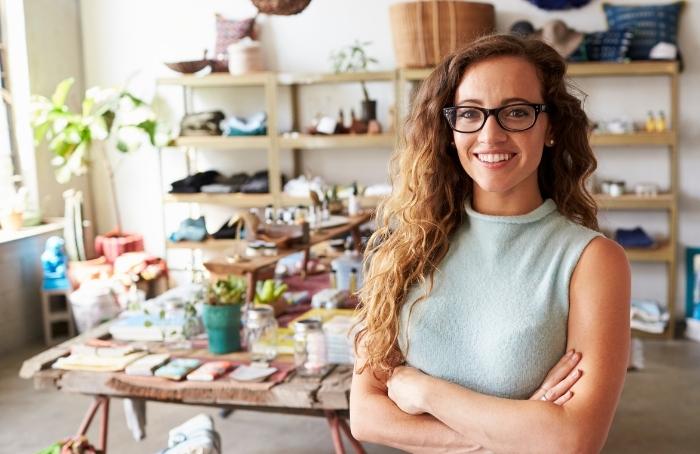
{"x":281,"y":7}
{"x":426,"y":31}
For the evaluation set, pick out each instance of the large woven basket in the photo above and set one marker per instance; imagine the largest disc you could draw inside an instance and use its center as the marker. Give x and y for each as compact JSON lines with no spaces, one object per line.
{"x":426,"y":31}
{"x":281,"y":7}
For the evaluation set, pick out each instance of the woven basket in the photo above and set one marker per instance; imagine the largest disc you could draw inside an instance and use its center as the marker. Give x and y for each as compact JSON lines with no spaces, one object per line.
{"x":424,"y":32}
{"x":281,"y":7}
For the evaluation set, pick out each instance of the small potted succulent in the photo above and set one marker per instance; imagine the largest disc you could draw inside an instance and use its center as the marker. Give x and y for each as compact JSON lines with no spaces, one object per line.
{"x":222,"y":313}
{"x":270,"y":292}
{"x":354,"y":58}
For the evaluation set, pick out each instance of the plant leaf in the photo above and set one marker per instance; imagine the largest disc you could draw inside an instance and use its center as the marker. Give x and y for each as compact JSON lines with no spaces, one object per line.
{"x":59,"y":96}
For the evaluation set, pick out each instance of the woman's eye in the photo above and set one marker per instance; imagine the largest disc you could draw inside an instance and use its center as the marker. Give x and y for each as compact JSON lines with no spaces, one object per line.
{"x":469,"y":113}
{"x":518,"y":113}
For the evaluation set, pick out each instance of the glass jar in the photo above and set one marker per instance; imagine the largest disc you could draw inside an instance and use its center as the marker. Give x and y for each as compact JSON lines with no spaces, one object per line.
{"x":261,"y":333}
{"x":310,"y":348}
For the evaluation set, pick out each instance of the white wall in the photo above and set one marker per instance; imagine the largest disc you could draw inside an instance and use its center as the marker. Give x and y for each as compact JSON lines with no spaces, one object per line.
{"x":124,"y":37}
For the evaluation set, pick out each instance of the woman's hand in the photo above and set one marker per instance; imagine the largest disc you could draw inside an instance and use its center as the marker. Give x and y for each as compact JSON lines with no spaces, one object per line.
{"x":404,"y":388}
{"x":556,"y":387}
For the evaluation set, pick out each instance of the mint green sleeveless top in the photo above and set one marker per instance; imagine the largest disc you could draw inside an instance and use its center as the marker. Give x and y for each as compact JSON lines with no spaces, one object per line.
{"x":496,"y":319}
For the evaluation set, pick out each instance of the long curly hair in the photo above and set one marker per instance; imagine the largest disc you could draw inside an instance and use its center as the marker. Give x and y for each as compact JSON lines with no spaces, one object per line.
{"x":430,"y":188}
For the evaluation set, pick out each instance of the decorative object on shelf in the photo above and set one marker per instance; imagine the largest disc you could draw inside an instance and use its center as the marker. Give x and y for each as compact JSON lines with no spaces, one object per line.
{"x":193,"y":183}
{"x":202,"y":124}
{"x":646,"y":189}
{"x":660,"y":123}
{"x":357,"y":126}
{"x":222,"y":314}
{"x":557,"y":34}
{"x":55,"y":265}
{"x":348,"y":269}
{"x":664,"y":51}
{"x":613,"y":188}
{"x":190,"y":230}
{"x":229,"y":31}
{"x":622,"y":125}
{"x":14,"y":205}
{"x":650,"y":123}
{"x":652,"y":24}
{"x":255,"y":125}
{"x":116,"y":116}
{"x":245,"y":56}
{"x":354,"y":58}
{"x":609,"y":45}
{"x":189,"y":66}
{"x":353,"y":201}
{"x":230,"y":230}
{"x":281,"y":7}
{"x":554,"y":5}
{"x":522,"y":28}
{"x":634,"y":238}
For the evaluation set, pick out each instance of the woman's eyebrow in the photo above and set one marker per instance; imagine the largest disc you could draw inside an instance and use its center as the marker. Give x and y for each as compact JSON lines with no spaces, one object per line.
{"x":503,"y":102}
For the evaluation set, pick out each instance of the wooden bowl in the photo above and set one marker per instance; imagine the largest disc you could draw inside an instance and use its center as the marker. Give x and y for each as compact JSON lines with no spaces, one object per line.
{"x":188,"y":67}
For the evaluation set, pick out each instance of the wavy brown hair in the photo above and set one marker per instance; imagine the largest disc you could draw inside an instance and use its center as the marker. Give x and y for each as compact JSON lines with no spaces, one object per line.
{"x":430,"y":188}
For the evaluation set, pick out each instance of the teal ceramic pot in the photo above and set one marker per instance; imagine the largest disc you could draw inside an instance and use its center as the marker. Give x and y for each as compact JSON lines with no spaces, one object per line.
{"x":223,"y":324}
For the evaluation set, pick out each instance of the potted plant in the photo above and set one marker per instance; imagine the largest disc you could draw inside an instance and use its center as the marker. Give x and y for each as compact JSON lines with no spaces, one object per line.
{"x":114,"y":116}
{"x":221,"y":313}
{"x":354,"y":58}
{"x":270,"y":292}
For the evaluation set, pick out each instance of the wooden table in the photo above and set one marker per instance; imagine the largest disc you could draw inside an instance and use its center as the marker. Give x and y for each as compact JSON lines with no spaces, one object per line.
{"x":256,"y":265}
{"x":327,"y":396}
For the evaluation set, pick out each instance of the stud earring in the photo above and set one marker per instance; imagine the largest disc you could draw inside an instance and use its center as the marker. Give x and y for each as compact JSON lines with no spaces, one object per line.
{"x":551,"y":142}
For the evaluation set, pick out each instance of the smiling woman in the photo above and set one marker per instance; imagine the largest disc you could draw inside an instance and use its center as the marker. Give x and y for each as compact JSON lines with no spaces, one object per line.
{"x":487,"y":267}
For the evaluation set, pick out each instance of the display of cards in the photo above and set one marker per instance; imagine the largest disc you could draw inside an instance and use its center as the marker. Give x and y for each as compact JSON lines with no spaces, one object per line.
{"x":251,"y":373}
{"x":210,"y":371}
{"x":178,"y":368}
{"x":146,"y":365}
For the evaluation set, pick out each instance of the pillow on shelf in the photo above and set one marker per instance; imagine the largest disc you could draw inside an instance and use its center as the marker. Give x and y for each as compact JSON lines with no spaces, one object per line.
{"x":228,"y":31}
{"x":611,"y":45}
{"x":650,"y":24}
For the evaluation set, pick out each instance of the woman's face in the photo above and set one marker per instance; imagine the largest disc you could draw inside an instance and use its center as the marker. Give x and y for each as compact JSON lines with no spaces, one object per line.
{"x":497,"y":160}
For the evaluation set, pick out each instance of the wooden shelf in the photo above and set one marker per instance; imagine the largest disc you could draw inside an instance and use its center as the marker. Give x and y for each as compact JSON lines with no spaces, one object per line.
{"x":235,"y":200}
{"x":634,"y":202}
{"x":415,"y":74}
{"x":637,"y":138}
{"x":209,"y":243}
{"x":365,"y":201}
{"x":661,"y":253}
{"x":635,"y":68}
{"x":308,"y":141}
{"x":333,"y":78}
{"x":223,"y":142}
{"x":219,"y":80}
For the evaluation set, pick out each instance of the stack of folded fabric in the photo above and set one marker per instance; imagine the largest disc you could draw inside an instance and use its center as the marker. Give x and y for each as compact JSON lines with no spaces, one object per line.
{"x":648,"y":315}
{"x":255,"y":125}
{"x":338,"y":343}
{"x":202,"y":124}
{"x":197,"y":435}
{"x":190,"y":229}
{"x":98,"y":359}
{"x":194,"y":183}
{"x":224,"y":184}
{"x":634,"y":238}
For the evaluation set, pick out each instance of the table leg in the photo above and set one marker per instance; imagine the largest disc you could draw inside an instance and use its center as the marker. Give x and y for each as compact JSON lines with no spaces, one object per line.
{"x":98,"y":401}
{"x":305,"y":263}
{"x":356,"y":238}
{"x":359,"y":449}
{"x":332,"y":418}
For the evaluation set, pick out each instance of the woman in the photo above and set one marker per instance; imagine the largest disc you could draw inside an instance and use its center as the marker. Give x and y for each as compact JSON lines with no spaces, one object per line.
{"x":487,"y":267}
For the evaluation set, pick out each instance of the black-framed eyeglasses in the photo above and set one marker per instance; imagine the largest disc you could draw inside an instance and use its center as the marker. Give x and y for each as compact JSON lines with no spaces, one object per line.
{"x":513,"y":117}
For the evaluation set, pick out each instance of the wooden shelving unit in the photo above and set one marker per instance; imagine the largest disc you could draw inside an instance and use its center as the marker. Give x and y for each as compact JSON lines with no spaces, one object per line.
{"x":274,"y":142}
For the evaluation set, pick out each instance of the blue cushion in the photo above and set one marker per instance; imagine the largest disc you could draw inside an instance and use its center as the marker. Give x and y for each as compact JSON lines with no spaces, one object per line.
{"x":558,"y":4}
{"x":651,"y":24}
{"x":611,"y":45}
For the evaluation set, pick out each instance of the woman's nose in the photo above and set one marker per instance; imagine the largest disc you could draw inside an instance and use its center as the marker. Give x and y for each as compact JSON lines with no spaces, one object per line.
{"x":492,"y":133}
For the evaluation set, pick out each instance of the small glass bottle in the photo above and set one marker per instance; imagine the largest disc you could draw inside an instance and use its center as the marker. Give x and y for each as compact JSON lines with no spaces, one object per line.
{"x":261,"y":333}
{"x":661,"y":122}
{"x":269,"y":214}
{"x":310,"y":348}
{"x":650,"y":124}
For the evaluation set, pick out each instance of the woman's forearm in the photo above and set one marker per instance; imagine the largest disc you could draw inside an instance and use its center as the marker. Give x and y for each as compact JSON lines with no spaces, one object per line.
{"x":502,"y":425}
{"x":376,"y":419}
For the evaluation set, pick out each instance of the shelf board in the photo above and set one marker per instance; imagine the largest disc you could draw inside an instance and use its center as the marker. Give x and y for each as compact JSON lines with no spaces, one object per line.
{"x":365,"y":201}
{"x":209,"y":243}
{"x":223,"y":142}
{"x":662,"y":253}
{"x":235,"y":200}
{"x":635,"y":68}
{"x":333,"y":78}
{"x":634,"y":202}
{"x":636,"y":138}
{"x":218,"y":80}
{"x":308,"y":141}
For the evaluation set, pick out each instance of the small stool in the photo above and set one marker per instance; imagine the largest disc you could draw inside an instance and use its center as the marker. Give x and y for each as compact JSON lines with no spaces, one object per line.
{"x":57,"y":316}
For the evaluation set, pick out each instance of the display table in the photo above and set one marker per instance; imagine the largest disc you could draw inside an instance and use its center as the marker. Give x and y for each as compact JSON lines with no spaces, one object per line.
{"x":326,"y":396}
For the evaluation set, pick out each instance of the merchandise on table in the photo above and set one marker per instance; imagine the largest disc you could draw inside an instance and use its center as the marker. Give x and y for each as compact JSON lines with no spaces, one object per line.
{"x":147,"y":365}
{"x":210,"y":371}
{"x":178,"y":368}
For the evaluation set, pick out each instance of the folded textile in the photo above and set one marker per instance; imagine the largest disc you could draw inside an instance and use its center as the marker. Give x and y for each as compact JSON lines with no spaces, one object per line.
{"x":227,"y":184}
{"x":300,"y":186}
{"x":196,"y":435}
{"x":648,"y":315}
{"x":202,"y":124}
{"x":259,"y":183}
{"x":96,"y":363}
{"x":190,"y":230}
{"x":633,"y":238}
{"x":194,"y":183}
{"x":255,"y":125}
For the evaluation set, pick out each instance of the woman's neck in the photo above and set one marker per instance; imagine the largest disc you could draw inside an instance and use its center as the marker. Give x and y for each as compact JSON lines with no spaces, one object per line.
{"x":513,"y":203}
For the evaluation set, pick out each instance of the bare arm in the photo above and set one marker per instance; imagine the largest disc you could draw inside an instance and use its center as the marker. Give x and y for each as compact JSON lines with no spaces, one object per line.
{"x":598,"y":327}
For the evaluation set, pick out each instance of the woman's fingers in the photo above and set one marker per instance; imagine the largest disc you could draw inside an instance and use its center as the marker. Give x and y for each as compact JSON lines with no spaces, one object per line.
{"x":565,"y":398}
{"x":563,"y":387}
{"x":562,"y":369}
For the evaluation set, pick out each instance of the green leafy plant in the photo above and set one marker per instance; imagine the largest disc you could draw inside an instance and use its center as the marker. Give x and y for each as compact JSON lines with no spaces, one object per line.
{"x":231,"y":290}
{"x":116,"y":116}
{"x":353,"y":58}
{"x":269,"y":291}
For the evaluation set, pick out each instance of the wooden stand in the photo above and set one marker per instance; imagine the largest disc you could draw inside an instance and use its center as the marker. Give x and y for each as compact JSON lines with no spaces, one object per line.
{"x":55,"y":309}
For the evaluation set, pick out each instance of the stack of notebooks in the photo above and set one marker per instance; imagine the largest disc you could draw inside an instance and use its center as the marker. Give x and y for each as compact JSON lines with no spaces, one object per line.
{"x":99,"y":359}
{"x":339,"y":346}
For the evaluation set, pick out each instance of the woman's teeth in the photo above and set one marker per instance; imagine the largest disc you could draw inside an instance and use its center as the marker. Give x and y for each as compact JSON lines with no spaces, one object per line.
{"x":494,"y":157}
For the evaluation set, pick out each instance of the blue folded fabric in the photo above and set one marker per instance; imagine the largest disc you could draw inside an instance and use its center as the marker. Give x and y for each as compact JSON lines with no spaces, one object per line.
{"x":633,"y":238}
{"x":256,"y":125}
{"x":190,"y":230}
